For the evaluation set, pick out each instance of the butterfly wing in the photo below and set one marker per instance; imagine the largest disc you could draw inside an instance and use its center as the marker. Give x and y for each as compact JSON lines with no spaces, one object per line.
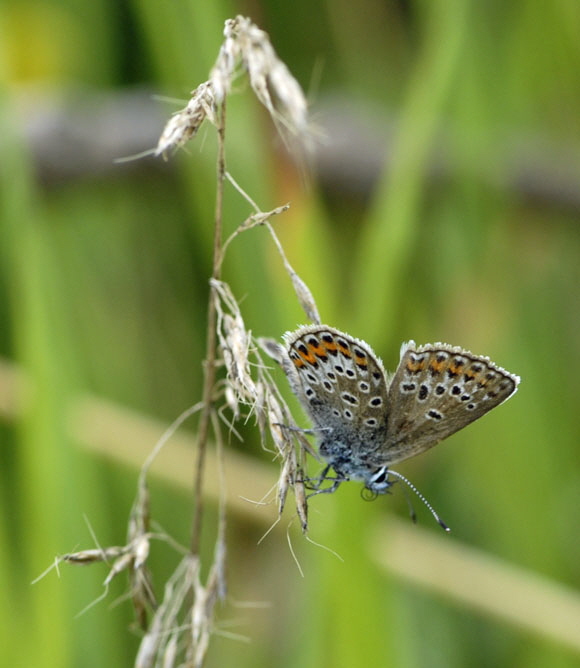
{"x":342,"y":386}
{"x":437,"y":390}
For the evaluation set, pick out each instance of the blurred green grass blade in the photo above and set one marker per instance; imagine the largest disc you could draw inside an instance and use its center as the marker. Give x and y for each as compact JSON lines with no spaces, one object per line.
{"x":393,"y":224}
{"x":183,"y":38}
{"x":46,"y":480}
{"x":37,"y":503}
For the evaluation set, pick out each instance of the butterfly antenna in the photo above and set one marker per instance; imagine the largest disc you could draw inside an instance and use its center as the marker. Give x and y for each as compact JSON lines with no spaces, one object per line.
{"x":432,"y":510}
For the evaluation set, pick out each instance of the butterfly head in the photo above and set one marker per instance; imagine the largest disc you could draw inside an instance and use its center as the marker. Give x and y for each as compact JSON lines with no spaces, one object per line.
{"x":377,"y":483}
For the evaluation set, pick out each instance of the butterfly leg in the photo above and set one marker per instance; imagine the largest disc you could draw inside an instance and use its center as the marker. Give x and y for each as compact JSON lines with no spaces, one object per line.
{"x":316,"y":483}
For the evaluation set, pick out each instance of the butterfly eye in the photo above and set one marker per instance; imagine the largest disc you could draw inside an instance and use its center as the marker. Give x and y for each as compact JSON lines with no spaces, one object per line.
{"x":378,"y":482}
{"x":379,"y":476}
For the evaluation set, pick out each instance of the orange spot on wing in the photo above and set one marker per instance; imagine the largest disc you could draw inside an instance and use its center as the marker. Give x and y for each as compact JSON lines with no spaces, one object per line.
{"x":360,"y":359}
{"x":330,"y":346}
{"x":308,"y":356}
{"x":414,"y":367}
{"x":318,"y":350}
{"x":345,"y":351}
{"x":436,"y":367}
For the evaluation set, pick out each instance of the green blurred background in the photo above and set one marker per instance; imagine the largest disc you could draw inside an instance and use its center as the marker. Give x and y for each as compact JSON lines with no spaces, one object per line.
{"x":443,"y":206}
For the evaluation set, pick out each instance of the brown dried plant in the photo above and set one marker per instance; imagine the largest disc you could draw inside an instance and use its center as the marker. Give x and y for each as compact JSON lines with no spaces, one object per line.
{"x":177,"y":630}
{"x":246,"y":48}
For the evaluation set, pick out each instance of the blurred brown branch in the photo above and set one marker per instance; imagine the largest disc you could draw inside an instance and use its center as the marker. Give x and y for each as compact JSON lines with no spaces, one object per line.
{"x":83,"y":132}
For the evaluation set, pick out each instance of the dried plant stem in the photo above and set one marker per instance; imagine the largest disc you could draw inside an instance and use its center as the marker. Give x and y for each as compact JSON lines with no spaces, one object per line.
{"x":211,"y":342}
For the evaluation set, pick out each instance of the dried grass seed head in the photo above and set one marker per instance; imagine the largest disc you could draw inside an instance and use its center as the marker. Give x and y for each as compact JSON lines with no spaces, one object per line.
{"x":247,"y":45}
{"x":301,"y":501}
{"x":248,"y":48}
{"x":184,"y":124}
{"x":235,"y":343}
{"x":238,"y":347}
{"x":94,"y":555}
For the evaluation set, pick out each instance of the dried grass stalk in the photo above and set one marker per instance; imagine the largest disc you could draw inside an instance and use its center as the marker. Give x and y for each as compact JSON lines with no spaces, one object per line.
{"x":179,"y":629}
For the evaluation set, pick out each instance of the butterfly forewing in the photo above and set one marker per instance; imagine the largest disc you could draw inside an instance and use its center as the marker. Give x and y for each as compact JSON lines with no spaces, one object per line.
{"x":437,"y":390}
{"x":341,"y":384}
